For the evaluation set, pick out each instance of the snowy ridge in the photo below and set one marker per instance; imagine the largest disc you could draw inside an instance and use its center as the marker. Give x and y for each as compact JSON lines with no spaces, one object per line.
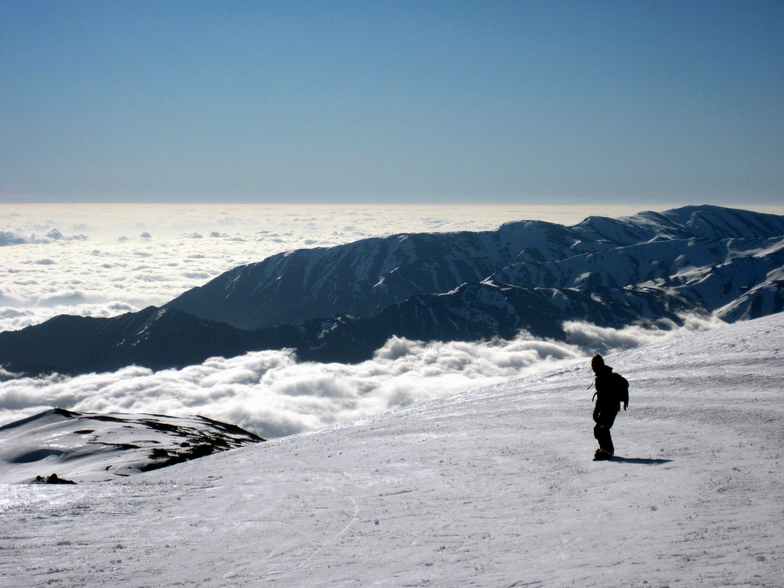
{"x":360,"y":279}
{"x":98,"y":447}
{"x":494,"y":487}
{"x":357,"y":279}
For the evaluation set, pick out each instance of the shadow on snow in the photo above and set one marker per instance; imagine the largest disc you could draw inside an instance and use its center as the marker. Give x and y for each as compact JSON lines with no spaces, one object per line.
{"x":640,"y":460}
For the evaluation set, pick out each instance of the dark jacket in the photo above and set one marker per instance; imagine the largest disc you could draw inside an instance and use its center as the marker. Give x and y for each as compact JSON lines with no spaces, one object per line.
{"x":605,"y":401}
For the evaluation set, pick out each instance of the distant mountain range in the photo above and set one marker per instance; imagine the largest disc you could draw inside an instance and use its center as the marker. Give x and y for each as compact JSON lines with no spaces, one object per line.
{"x":343,"y":303}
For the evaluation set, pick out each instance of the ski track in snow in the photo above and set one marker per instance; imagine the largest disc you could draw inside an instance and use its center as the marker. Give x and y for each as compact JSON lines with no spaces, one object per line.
{"x":494,"y":487}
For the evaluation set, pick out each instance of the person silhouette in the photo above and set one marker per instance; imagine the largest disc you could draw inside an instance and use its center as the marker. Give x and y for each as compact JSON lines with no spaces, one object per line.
{"x":611,"y":390}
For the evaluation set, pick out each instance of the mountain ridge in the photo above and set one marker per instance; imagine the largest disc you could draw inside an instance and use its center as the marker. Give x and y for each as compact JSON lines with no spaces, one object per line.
{"x":362,"y":278}
{"x":343,"y":303}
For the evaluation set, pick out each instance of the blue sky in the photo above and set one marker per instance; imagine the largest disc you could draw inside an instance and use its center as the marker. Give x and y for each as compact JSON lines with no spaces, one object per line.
{"x":545,"y":102}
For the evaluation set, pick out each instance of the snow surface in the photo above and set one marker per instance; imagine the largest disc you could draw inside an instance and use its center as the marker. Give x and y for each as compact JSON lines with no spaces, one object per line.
{"x":494,"y":487}
{"x":92,"y":447}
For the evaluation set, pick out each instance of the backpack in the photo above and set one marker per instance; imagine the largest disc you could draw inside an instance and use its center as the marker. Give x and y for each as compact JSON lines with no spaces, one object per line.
{"x":620,"y":389}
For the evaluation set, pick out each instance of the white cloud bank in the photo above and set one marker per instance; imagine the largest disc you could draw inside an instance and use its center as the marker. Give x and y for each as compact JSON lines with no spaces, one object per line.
{"x":272,"y":394}
{"x":19,"y":236}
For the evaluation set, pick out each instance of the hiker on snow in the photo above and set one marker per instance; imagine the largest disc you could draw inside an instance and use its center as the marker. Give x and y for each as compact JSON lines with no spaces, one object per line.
{"x":611,"y":390}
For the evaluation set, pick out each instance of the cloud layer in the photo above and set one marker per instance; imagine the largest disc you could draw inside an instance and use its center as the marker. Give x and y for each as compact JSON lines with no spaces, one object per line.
{"x":273,"y":395}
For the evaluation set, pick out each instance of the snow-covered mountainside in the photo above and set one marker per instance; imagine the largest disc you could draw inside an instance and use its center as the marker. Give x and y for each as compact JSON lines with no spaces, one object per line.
{"x":494,"y":487}
{"x":83,"y":447}
{"x":361,"y":278}
{"x":644,"y":252}
{"x":341,"y":304}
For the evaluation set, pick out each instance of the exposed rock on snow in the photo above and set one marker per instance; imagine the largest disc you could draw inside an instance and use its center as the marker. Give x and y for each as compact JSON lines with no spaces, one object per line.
{"x":53,"y":479}
{"x":90,"y":447}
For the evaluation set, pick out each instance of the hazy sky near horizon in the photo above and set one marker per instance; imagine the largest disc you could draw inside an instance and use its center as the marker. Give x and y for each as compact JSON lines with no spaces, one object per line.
{"x":558,"y":102}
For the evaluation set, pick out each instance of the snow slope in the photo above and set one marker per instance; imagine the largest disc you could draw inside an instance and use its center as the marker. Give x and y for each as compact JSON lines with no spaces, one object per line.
{"x":101,"y":447}
{"x":494,"y":487}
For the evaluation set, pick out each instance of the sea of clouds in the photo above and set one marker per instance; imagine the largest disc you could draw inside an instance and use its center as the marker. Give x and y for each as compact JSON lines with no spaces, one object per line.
{"x":104,"y":260}
{"x":272,"y":394}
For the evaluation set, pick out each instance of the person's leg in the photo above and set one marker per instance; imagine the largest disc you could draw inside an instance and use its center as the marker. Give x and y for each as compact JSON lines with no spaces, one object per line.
{"x":602,"y":435}
{"x":608,"y":444}
{"x":602,"y":431}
